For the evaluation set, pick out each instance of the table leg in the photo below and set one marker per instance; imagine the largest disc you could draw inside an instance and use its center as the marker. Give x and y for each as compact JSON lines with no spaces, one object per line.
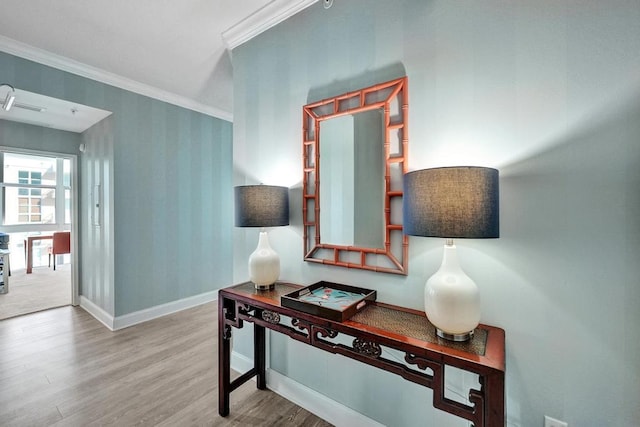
{"x":29,"y":256}
{"x":224,"y":361}
{"x":494,"y":405}
{"x":259,"y":356}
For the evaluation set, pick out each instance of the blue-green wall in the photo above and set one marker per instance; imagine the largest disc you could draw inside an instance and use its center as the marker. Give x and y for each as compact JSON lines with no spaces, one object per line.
{"x":171,"y":184}
{"x":96,"y":239}
{"x":173,"y":207}
{"x":544,"y":90}
{"x":20,"y":135}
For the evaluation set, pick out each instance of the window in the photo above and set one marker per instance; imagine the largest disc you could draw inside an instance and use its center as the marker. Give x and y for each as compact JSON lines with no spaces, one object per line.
{"x":36,"y":198}
{"x":29,"y":199}
{"x":29,"y":187}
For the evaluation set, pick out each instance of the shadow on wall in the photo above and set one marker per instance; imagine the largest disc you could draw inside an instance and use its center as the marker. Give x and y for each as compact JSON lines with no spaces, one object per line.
{"x":366,"y":79}
{"x":570,"y":229}
{"x":222,"y":70}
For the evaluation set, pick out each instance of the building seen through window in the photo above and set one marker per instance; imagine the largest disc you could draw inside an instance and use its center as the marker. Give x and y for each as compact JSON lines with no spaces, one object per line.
{"x":35,"y":199}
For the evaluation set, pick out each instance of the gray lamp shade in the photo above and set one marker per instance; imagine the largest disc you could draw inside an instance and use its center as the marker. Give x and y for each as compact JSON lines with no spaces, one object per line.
{"x":261,"y":206}
{"x":452,"y":202}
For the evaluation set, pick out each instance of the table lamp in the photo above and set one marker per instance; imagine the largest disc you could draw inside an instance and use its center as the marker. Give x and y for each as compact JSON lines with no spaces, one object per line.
{"x":452,"y":202}
{"x":262,"y":206}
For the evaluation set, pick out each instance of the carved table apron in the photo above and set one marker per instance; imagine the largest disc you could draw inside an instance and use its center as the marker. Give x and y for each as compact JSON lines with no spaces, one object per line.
{"x":376,"y":326}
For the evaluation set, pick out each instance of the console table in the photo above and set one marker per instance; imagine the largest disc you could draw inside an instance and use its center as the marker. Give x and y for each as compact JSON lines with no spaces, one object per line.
{"x":376,"y":326}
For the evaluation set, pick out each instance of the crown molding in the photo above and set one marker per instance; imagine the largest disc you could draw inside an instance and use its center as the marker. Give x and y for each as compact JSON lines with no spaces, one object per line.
{"x":63,"y":63}
{"x":265,"y":18}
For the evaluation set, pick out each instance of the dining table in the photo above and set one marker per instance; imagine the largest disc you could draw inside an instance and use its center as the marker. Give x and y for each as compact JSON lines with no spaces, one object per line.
{"x":28,"y":249}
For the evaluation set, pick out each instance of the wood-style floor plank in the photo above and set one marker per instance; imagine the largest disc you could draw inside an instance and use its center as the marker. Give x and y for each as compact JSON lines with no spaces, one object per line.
{"x":61,"y":367}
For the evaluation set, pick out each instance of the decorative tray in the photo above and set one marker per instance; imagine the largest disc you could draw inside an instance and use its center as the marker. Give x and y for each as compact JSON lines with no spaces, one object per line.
{"x":329,"y":300}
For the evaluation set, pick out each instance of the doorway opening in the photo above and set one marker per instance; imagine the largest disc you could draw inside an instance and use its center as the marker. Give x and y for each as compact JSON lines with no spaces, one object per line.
{"x":37,"y":200}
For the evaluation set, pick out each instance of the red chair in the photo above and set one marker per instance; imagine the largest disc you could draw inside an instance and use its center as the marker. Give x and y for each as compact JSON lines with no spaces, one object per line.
{"x":61,"y":245}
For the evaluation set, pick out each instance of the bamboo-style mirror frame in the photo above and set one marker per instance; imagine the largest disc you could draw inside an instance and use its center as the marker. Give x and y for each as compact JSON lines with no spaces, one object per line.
{"x":393,"y":256}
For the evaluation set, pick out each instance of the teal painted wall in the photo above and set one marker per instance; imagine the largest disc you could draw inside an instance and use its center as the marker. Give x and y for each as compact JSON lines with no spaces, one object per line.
{"x":20,"y":135}
{"x":173,"y":207}
{"x":171,"y":189}
{"x":96,"y":223}
{"x":547,"y":92}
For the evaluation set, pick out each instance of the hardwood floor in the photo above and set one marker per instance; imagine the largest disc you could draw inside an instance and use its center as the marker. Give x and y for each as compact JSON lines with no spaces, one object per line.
{"x":61,"y":367}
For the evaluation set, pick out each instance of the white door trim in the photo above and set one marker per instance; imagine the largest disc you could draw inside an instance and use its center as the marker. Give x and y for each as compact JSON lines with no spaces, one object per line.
{"x":75,"y":287}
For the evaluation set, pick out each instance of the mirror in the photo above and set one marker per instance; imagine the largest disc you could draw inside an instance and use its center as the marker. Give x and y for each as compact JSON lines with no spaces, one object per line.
{"x":352,"y":170}
{"x":355,"y":144}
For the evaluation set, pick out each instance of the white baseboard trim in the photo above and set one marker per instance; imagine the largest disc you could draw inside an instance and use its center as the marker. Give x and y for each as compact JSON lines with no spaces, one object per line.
{"x":241,"y":363}
{"x":309,"y":399}
{"x":317,"y":403}
{"x":130,"y":319}
{"x":101,"y":316}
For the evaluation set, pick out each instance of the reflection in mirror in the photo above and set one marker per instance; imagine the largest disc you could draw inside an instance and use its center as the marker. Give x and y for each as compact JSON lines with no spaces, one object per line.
{"x":352,"y":171}
{"x":356,"y":144}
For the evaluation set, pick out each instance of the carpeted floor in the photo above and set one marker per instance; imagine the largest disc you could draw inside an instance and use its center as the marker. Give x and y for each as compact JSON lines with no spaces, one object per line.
{"x":41,"y":290}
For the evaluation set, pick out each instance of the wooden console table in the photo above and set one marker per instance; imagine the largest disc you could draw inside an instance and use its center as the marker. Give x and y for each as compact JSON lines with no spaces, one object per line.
{"x":376,"y":326}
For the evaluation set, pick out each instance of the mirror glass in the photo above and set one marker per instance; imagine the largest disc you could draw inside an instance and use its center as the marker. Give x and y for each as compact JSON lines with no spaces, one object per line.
{"x":354,"y":157}
{"x":352,"y":171}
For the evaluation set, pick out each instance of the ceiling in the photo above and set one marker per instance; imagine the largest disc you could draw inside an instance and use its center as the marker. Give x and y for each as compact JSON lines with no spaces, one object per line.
{"x":39,"y":110}
{"x":174,"y":50}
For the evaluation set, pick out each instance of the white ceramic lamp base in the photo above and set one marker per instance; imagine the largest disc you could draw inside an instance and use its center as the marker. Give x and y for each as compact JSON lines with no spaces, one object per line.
{"x":452,"y":299}
{"x":264,"y":264}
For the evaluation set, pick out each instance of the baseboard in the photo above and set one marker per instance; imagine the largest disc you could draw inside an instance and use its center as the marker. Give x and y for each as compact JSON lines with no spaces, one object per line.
{"x":101,"y":316}
{"x":314,"y":402}
{"x":240,"y":362}
{"x":130,"y":319}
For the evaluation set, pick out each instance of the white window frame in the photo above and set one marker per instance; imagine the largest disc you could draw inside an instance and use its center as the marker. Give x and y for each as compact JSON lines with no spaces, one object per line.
{"x":60,"y":189}
{"x":59,"y":224}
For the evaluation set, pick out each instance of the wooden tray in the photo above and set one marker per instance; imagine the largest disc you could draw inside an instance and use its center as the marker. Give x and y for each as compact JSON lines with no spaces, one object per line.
{"x":329,"y":300}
